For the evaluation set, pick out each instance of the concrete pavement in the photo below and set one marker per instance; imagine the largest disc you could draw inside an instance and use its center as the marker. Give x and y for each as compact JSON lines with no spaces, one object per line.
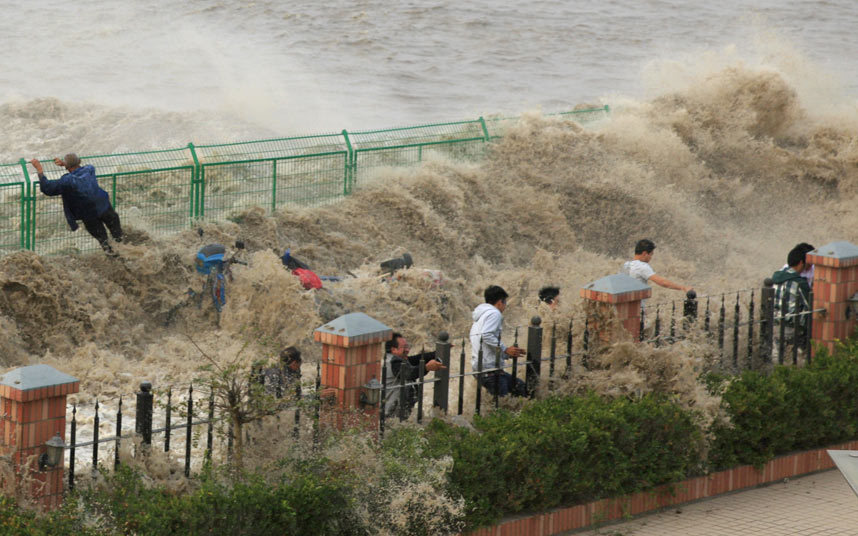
{"x":821,"y":504}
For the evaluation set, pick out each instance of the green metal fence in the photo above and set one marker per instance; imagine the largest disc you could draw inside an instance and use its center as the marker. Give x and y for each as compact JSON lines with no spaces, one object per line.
{"x":270,"y":173}
{"x":496,"y":126}
{"x":13,"y":208}
{"x":166,"y":191}
{"x":376,"y":149}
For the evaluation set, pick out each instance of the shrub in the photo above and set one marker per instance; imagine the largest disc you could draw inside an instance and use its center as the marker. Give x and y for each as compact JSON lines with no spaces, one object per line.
{"x":306,"y":503}
{"x":566,"y":450}
{"x":790,"y":409}
{"x":16,"y":521}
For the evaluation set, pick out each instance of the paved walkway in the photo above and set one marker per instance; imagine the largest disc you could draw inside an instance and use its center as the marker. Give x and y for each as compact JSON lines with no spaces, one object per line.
{"x":822,"y":504}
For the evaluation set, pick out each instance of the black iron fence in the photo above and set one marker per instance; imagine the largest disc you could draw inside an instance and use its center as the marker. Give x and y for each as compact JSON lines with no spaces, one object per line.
{"x":746,"y":328}
{"x":193,"y":414}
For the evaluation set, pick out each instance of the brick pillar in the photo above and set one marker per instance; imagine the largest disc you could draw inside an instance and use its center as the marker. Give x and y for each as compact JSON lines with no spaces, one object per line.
{"x":32,"y":411}
{"x":613,"y":302}
{"x":835,"y":288}
{"x":352,"y":352}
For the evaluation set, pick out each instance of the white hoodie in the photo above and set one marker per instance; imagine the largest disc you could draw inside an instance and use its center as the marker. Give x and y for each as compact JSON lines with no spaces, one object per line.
{"x":487,"y":325}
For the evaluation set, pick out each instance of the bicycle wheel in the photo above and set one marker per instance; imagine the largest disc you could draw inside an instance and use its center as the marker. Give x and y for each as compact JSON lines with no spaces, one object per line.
{"x":219,"y":292}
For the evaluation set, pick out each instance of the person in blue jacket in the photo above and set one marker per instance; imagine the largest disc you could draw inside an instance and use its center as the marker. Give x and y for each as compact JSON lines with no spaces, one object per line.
{"x":83,"y":199}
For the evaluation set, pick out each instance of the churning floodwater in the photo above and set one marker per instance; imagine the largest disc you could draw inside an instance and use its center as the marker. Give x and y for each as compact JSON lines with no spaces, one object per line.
{"x":133,"y":75}
{"x":733,"y":136}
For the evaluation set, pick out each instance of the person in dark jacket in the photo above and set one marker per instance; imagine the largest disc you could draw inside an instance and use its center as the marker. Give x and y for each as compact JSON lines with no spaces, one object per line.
{"x":791,"y":296}
{"x":83,"y":199}
{"x":397,"y":361}
{"x":283,"y":380}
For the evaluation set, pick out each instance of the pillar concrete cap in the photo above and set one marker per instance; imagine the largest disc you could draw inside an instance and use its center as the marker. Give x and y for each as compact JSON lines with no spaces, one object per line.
{"x":838,"y":254}
{"x":353,"y":329}
{"x":35,"y":382}
{"x":616,"y":288}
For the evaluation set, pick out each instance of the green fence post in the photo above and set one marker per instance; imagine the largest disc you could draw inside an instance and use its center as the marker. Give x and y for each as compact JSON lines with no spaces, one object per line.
{"x":25,"y":208}
{"x":274,"y":185}
{"x":607,"y":110}
{"x":113,"y":193}
{"x":194,"y":194}
{"x":351,"y":164}
{"x":485,"y":129}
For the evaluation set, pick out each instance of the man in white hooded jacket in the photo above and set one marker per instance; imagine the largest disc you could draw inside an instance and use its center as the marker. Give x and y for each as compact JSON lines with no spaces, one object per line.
{"x":487,"y":327}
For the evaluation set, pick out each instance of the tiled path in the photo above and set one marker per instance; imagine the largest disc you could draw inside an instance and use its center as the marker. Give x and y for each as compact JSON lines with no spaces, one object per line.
{"x":822,"y":504}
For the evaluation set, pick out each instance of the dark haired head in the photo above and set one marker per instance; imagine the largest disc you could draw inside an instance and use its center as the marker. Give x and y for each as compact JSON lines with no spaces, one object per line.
{"x":494,"y":294}
{"x":804,"y":246}
{"x":393,"y":342}
{"x":795,"y":257}
{"x":290,"y":355}
{"x":644,"y":246}
{"x":547,"y":294}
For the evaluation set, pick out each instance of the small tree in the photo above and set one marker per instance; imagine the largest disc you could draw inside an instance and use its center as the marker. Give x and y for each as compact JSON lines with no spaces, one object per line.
{"x":238,"y":393}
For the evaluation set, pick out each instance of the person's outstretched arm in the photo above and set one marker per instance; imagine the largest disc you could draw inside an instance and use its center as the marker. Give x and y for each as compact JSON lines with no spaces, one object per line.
{"x":667,"y":283}
{"x":47,"y":187}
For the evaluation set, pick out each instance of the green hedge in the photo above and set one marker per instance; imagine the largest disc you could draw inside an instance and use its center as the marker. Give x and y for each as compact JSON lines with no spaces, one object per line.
{"x":566,"y":450}
{"x":308,"y":503}
{"x":788,"y":410}
{"x":16,"y":521}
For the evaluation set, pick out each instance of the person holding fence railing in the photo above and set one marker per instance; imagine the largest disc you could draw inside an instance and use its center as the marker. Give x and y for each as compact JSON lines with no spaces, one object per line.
{"x":791,"y":296}
{"x":486,"y":331}
{"x":83,"y":199}
{"x":284,"y":380}
{"x":397,"y":361}
{"x":807,"y":273}
{"x":640,"y":269}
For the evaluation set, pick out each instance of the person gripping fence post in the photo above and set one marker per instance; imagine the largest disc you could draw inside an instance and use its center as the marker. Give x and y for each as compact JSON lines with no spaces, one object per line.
{"x":486,"y":333}
{"x":640,"y":269}
{"x":83,"y":199}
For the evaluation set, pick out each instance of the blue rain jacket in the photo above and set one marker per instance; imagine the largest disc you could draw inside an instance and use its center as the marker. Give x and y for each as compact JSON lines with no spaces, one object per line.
{"x":83,"y":198}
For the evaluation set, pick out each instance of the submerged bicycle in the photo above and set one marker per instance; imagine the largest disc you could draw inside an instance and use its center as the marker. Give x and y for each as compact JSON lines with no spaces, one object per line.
{"x":211,"y":262}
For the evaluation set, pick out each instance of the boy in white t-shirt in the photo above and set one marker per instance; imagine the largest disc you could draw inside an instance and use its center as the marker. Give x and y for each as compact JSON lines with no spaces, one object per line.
{"x":640,"y":269}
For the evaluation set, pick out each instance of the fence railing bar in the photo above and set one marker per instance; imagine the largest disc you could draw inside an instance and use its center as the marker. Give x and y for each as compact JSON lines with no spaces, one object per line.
{"x":131,"y":435}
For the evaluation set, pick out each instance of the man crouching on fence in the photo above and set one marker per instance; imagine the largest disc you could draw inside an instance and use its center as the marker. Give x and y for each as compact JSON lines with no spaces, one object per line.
{"x":791,"y":298}
{"x":487,"y":327}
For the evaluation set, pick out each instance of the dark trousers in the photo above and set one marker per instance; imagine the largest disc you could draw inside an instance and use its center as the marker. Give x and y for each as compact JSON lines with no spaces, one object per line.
{"x":96,"y":227}
{"x":503,"y":384}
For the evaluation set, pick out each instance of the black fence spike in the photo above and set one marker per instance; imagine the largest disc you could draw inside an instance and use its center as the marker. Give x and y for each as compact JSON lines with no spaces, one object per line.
{"x":167,"y":419}
{"x":737,"y":316}
{"x":188,"y":430}
{"x":461,"y":405}
{"x":118,"y":434}
{"x":72,"y":446}
{"x":751,"y":332}
{"x":95,"y":439}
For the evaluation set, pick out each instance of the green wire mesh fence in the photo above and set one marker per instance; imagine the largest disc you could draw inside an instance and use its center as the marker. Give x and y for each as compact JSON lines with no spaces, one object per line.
{"x":166,"y":191}
{"x":270,"y":173}
{"x":13,"y":207}
{"x":373,"y":150}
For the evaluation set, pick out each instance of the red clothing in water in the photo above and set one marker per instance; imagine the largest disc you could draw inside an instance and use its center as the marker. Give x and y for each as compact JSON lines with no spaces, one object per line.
{"x":308,"y":278}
